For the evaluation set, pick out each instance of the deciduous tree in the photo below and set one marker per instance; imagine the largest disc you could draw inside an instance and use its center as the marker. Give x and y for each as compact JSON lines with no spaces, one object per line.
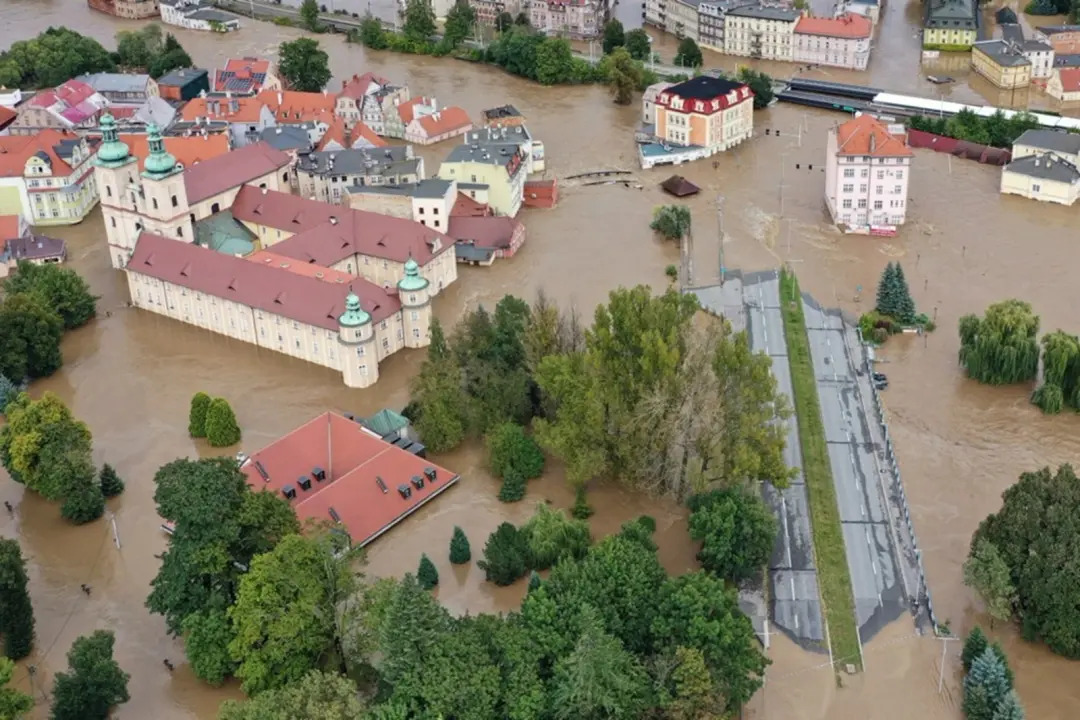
{"x":1002,"y":347}
{"x":53,"y":57}
{"x":614,"y":36}
{"x":317,"y":695}
{"x":419,"y":20}
{"x":304,"y":65}
{"x":83,"y":499}
{"x":13,"y":704}
{"x":221,"y":427}
{"x":207,"y":634}
{"x":736,"y":531}
{"x":760,"y":84}
{"x":1061,"y":373}
{"x":623,"y":76}
{"x":459,"y":23}
{"x":986,"y":572}
{"x":16,"y":612}
{"x":61,"y":288}
{"x":43,"y":446}
{"x":689,"y":54}
{"x":372,"y":34}
{"x":551,"y":536}
{"x":30,"y":334}
{"x":94,"y":682}
{"x":309,"y":15}
{"x":512,"y":451}
{"x":637,"y":44}
{"x":503,"y":21}
{"x":554,"y":61}
{"x":671,"y":221}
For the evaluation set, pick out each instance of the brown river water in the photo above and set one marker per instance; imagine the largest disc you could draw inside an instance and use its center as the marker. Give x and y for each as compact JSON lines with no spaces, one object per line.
{"x":130,"y":375}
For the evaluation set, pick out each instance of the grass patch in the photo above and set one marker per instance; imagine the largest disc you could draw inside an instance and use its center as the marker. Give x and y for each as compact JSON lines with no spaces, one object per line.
{"x":829,"y":552}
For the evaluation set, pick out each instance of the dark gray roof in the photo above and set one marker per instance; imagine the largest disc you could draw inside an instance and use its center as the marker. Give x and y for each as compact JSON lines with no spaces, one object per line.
{"x":1045,"y":167}
{"x":34,"y":247}
{"x":952,"y":14}
{"x":1003,"y":52}
{"x":115,"y":82}
{"x":704,"y":87}
{"x":430,"y":188}
{"x":1012,"y":32}
{"x":503,"y":111}
{"x":65,"y":148}
{"x":182,"y":77}
{"x":1055,"y":29}
{"x":1061,"y":142}
{"x":767,"y":13}
{"x":185,"y":127}
{"x":473,"y":186}
{"x":517,"y":133}
{"x":357,"y":161}
{"x":490,"y":153}
{"x":286,"y":137}
{"x":1067,"y":61}
{"x":471,"y":253}
{"x":212,"y":15}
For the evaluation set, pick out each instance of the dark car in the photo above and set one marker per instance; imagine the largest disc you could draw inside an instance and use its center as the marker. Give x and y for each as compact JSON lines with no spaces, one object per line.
{"x":880,"y":377}
{"x":881,"y":384}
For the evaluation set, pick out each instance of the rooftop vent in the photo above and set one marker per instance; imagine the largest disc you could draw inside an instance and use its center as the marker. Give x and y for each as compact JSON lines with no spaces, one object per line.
{"x":318,"y":473}
{"x":304,"y":482}
{"x":381,"y":484}
{"x":334,"y":516}
{"x":289,"y":492}
{"x":430,"y":474}
{"x":262,"y":471}
{"x":350,"y":416}
{"x":418,"y":482}
{"x":405,"y":491}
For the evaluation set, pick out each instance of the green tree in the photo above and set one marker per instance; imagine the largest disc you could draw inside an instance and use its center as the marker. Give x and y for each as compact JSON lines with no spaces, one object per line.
{"x":513,"y":488}
{"x":94,"y":682}
{"x":1009,"y":708}
{"x":888,"y":303}
{"x":419,"y":20}
{"x":974,"y":645}
{"x":506,"y":555}
{"x":309,"y":15}
{"x":460,"y":553}
{"x":413,"y":624}
{"x":522,"y":20}
{"x":511,"y":450}
{"x":1061,"y":373}
{"x":137,"y":48}
{"x":535,"y":581}
{"x":44,"y":447}
{"x":372,"y":34}
{"x":286,"y":612}
{"x":459,"y":23}
{"x":200,"y":403}
{"x":437,"y":392}
{"x":985,"y":686}
{"x":207,"y":634}
{"x":516,"y":51}
{"x":599,"y":679}
{"x":689,"y":54}
{"x":614,"y":36}
{"x":671,"y":221}
{"x":697,"y":611}
{"x":304,"y":65}
{"x":16,"y":612}
{"x":554,"y":61}
{"x":637,"y":44}
{"x":1037,"y":537}
{"x":317,"y":695}
{"x":173,"y":57}
{"x":692,"y":694}
{"x":1002,"y":347}
{"x":83,"y":499}
{"x":221,"y":427}
{"x":905,"y":310}
{"x":736,"y":531}
{"x":109,"y":481}
{"x":624,"y":76}
{"x":760,"y":84}
{"x":986,"y":573}
{"x":30,"y":334}
{"x":13,"y":704}
{"x":53,"y":57}
{"x":427,"y":575}
{"x":550,"y":536}
{"x":61,"y":288}
{"x":503,"y":21}
{"x":8,"y":392}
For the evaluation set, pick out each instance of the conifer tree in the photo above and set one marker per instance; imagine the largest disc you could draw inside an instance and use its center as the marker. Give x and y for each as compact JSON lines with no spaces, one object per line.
{"x":221,"y":427}
{"x":986,"y":686}
{"x":534,"y":581}
{"x":427,"y":575}
{"x":16,"y":612}
{"x":200,"y":403}
{"x":460,"y":552}
{"x":1009,"y":708}
{"x":905,"y":306}
{"x":111,"y":484}
{"x":974,"y":646}
{"x":886,"y":291}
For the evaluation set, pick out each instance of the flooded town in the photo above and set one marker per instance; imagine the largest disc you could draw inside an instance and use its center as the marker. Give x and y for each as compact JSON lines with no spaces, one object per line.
{"x":764,"y":203}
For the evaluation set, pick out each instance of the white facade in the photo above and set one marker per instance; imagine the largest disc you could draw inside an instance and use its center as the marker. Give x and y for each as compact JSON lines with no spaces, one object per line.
{"x":579,"y":19}
{"x":1041,"y":56}
{"x":765,"y":33}
{"x":196,"y":15}
{"x":866,"y":180}
{"x":837,"y":42}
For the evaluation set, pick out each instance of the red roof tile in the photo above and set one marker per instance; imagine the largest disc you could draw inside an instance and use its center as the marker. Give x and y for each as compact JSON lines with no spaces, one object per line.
{"x":9,"y":227}
{"x":407,"y":109}
{"x":188,"y":150}
{"x":866,"y":135}
{"x":327,"y":234}
{"x":485,"y":232}
{"x":292,"y":106}
{"x":327,"y":275}
{"x":849,"y":25}
{"x":358,"y":85}
{"x":270,"y":288}
{"x":465,"y":206}
{"x":7,"y":116}
{"x":346,"y":139}
{"x":352,"y":458}
{"x":15,"y":150}
{"x":447,"y":120}
{"x":1070,"y":79}
{"x":218,"y":174}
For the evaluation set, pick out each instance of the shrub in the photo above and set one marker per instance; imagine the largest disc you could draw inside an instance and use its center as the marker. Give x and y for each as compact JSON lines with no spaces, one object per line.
{"x":200,"y":403}
{"x":534,"y":581}
{"x":506,"y":555}
{"x":551,"y":536}
{"x":672,"y":272}
{"x":83,"y":504}
{"x":512,"y":452}
{"x":513,"y":488}
{"x":221,"y":427}
{"x":460,"y":552}
{"x":111,"y":484}
{"x":427,"y":575}
{"x":581,"y":510}
{"x":283,"y":21}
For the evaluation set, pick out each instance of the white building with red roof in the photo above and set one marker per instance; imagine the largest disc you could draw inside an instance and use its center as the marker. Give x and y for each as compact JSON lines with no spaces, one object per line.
{"x":370,"y":99}
{"x":842,"y":41}
{"x":433,"y":127}
{"x":867,"y":171}
{"x":73,"y":106}
{"x":1064,"y":85}
{"x":48,"y":177}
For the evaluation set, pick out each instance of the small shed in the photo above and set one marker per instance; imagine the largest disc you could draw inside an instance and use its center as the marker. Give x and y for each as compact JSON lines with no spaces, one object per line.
{"x":679,"y":186}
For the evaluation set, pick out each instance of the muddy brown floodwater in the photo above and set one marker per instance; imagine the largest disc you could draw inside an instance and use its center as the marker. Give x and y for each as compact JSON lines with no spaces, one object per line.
{"x":130,"y":375}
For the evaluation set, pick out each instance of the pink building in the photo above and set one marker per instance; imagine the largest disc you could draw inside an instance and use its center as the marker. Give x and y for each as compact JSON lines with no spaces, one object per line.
{"x":573,"y":18}
{"x":868,"y":166}
{"x":842,"y":41}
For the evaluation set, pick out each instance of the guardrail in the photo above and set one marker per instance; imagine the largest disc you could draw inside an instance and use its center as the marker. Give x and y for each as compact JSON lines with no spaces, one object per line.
{"x":894,"y":466}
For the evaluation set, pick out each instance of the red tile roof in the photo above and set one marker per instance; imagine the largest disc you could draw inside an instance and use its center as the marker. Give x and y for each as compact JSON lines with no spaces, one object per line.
{"x":270,"y":288}
{"x":444,"y":121}
{"x":327,"y":275}
{"x":485,"y":232}
{"x":248,"y":109}
{"x":849,"y":25}
{"x":188,"y":150}
{"x":7,"y":116}
{"x":407,"y":109}
{"x":70,"y":93}
{"x":15,"y":150}
{"x":866,"y":135}
{"x":9,"y":227}
{"x":465,"y":206}
{"x":293,"y":106}
{"x":358,"y":85}
{"x":218,"y":174}
{"x":1070,"y":79}
{"x":346,"y":139}
{"x":352,"y":458}
{"x":327,"y":234}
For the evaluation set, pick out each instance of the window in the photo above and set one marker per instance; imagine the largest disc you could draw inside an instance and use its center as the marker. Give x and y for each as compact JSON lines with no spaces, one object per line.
{"x":179,"y":232}
{"x":435,"y":211}
{"x":877,"y":204}
{"x":849,"y":172}
{"x":880,"y":174}
{"x":416,"y":332}
{"x":436,"y":223}
{"x":359,"y":352}
{"x":296,"y":326}
{"x":862,"y":203}
{"x":383,"y":325}
{"x":415,"y":315}
{"x":1035,"y":187}
{"x":108,"y":191}
{"x":154,"y":200}
{"x":386,"y":343}
{"x":899,"y":174}
{"x":864,"y":173}
{"x":847,"y":204}
{"x":113,"y":221}
{"x":897,"y":189}
{"x":421,"y":211}
{"x":862,"y":188}
{"x":314,"y":347}
{"x":363,"y":369}
{"x":848,"y":188}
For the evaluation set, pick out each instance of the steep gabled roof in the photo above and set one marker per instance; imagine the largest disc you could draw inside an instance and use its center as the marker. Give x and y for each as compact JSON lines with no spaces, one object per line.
{"x":867,"y":136}
{"x":218,"y":174}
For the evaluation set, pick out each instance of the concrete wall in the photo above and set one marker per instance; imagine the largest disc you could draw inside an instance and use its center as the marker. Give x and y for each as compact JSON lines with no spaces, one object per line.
{"x":1038,"y":188}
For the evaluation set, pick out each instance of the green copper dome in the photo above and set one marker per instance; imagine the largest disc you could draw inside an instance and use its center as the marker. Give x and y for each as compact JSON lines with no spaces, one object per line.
{"x":159,"y":163}
{"x":413,"y":280}
{"x":112,"y":151}
{"x":354,"y":315}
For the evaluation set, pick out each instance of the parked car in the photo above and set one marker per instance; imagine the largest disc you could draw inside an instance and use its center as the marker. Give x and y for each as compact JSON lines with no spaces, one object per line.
{"x":880,"y":377}
{"x":881,"y":384}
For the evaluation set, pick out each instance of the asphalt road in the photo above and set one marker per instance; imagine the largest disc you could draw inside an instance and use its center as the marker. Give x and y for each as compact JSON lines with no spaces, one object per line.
{"x":875,"y":565}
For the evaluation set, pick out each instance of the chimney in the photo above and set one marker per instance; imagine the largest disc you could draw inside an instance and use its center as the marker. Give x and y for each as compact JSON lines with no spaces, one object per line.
{"x":280,"y":98}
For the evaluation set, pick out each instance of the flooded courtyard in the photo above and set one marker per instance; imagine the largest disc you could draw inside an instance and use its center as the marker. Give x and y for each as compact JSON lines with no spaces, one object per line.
{"x":130,"y":375}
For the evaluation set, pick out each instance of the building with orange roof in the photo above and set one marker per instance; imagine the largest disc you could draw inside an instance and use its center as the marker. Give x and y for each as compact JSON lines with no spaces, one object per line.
{"x":1064,"y":85}
{"x":400,"y":115}
{"x":370,"y":99}
{"x":842,"y":41}
{"x":440,"y":125}
{"x":247,"y":76}
{"x":246,"y":115}
{"x":867,"y":171}
{"x":339,"y":136}
{"x":188,"y":150}
{"x":47,"y":177}
{"x":293,"y":106}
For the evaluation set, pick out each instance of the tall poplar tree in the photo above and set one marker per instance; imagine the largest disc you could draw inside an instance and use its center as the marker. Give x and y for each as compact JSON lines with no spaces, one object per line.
{"x":16,"y":612}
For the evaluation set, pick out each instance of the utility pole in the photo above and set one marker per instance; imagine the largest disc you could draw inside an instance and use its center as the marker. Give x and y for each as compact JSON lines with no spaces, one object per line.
{"x":944,"y":645}
{"x":115,"y":532}
{"x":783,"y":162}
{"x":720,"y":225}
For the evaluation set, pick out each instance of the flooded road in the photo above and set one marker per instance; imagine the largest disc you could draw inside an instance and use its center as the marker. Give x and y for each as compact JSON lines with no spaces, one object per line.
{"x":130,"y":376}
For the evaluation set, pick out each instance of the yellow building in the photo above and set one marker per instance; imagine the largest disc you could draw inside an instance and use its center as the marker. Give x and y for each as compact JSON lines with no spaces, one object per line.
{"x":1002,"y":63}
{"x":489,"y":172}
{"x":950,"y":24}
{"x":47,"y":177}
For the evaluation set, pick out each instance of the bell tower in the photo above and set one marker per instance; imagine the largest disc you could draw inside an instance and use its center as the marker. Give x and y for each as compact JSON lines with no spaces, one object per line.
{"x":115,"y":173}
{"x":415,"y":306}
{"x":359,"y":362}
{"x":164,"y":197}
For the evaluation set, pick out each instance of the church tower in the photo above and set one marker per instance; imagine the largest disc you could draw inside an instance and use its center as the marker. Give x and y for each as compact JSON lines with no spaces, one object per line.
{"x":359,"y":361}
{"x":116,"y":174}
{"x":415,"y":306}
{"x":164,"y":197}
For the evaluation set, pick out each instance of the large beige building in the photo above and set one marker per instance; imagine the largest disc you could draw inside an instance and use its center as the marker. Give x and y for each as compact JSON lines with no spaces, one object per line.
{"x":1045,"y":166}
{"x":761,"y":32}
{"x":333,"y":286}
{"x":1002,"y":63}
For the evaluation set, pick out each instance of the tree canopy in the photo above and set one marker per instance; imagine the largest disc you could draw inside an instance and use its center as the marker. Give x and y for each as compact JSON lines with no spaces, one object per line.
{"x":986,"y":572}
{"x":13,"y":704}
{"x":459,"y":24}
{"x":637,"y":44}
{"x":61,"y":288}
{"x":760,"y":83}
{"x":671,"y":221}
{"x":894,"y":296}
{"x":30,"y":332}
{"x":221,"y":427}
{"x":1001,"y":347}
{"x":1037,"y":533}
{"x":419,"y":20}
{"x":614,"y":36}
{"x":624,"y":76}
{"x":736,"y":531}
{"x":94,"y":682}
{"x":317,"y":695}
{"x":309,"y":15}
{"x":304,"y":65}
{"x":50,"y":59}
{"x":689,"y":54}
{"x":16,"y":611}
{"x":1061,"y":373}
